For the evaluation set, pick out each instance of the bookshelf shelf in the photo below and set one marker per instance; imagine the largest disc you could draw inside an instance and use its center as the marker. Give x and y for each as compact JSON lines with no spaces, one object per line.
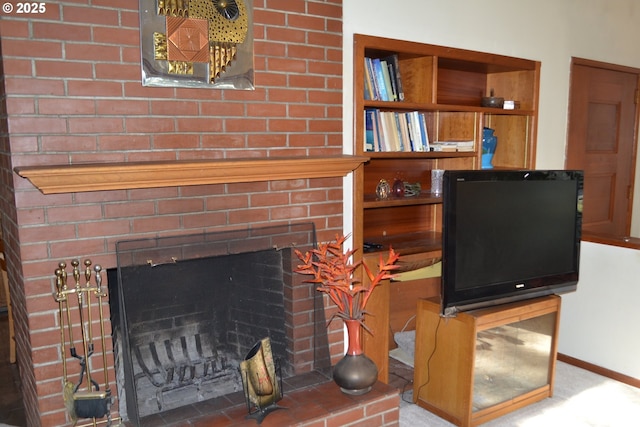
{"x":425,"y":198}
{"x":410,"y":106}
{"x":418,"y":154}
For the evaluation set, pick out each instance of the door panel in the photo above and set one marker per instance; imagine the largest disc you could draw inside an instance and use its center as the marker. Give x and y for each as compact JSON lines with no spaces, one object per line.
{"x":602,"y":122}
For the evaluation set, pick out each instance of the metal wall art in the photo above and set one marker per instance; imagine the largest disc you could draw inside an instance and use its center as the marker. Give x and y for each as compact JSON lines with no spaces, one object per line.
{"x":197,"y":43}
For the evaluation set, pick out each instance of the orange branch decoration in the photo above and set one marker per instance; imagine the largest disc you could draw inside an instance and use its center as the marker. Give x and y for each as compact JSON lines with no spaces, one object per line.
{"x":331,"y":267}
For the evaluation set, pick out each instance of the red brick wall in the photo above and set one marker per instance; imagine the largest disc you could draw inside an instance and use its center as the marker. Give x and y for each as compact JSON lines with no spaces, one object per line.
{"x":72,"y":93}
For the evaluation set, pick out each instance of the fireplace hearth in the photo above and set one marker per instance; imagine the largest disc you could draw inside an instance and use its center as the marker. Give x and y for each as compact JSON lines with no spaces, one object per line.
{"x":186,"y":310}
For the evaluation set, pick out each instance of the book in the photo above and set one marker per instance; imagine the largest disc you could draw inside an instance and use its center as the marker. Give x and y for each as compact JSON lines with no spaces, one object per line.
{"x":424,"y":133}
{"x":392,"y":80}
{"x":369,"y":81}
{"x":390,"y":131}
{"x":397,"y":79}
{"x":368,"y":93}
{"x":465,"y":145}
{"x":413,"y":132}
{"x":379,"y":77}
{"x":378,"y":136}
{"x":387,"y":81}
{"x":369,"y":144}
{"x":445,"y":146}
{"x":373,"y":137}
{"x":453,"y":145}
{"x":385,"y":141}
{"x":376,"y":130}
{"x":403,"y":132}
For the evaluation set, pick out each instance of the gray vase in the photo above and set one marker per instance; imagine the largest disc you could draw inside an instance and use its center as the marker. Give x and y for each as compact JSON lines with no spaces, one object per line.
{"x":355,"y":373}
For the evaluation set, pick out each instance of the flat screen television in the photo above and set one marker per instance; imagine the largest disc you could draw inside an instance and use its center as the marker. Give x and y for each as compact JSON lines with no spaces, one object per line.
{"x":509,"y":235}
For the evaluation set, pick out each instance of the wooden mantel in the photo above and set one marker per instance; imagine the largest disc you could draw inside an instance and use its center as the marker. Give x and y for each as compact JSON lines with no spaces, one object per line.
{"x":124,"y":176}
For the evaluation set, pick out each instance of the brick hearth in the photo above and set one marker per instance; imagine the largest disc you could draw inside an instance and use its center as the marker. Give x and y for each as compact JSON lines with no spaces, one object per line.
{"x":322,"y":405}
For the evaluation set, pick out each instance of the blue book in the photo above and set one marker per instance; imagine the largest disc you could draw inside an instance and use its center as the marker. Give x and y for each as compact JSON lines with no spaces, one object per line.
{"x":368,"y":84}
{"x":369,"y":140}
{"x":378,"y":136}
{"x":423,"y":132}
{"x":387,"y":81}
{"x":413,"y":133}
{"x":377,"y":71}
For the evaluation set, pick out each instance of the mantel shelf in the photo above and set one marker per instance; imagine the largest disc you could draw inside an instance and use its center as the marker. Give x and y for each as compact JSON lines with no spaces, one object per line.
{"x":135,"y":175}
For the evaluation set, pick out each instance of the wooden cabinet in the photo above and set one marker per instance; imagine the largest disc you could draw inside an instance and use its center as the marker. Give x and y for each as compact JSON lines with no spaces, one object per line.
{"x":484,"y":363}
{"x":393,"y":308}
{"x":445,"y":86}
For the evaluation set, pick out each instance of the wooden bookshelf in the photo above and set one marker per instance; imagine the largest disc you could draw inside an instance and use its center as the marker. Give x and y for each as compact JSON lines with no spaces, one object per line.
{"x":446,"y":86}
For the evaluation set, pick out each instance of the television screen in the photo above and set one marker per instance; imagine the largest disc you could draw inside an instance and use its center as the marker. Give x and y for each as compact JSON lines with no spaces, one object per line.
{"x":509,"y":235}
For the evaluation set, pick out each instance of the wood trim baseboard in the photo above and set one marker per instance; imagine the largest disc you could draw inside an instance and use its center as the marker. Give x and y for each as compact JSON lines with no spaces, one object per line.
{"x":623,"y":242}
{"x":634,"y":382}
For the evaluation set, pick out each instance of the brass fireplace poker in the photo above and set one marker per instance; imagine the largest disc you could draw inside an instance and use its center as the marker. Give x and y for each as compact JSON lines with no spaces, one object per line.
{"x":82,"y":400}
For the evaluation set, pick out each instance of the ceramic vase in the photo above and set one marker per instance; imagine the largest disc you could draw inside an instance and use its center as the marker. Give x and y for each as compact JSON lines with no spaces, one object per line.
{"x":489,"y":143}
{"x":355,"y":373}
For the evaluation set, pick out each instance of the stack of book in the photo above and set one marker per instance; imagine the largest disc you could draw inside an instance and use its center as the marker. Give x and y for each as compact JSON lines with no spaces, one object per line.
{"x":395,"y":131}
{"x":452,"y":146}
{"x":382,"y":80}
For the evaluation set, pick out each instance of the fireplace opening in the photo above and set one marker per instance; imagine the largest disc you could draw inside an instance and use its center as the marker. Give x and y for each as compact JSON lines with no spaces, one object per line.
{"x":186,"y":310}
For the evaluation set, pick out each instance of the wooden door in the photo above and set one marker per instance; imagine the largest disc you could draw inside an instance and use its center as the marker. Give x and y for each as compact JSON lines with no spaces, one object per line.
{"x":601,"y":141}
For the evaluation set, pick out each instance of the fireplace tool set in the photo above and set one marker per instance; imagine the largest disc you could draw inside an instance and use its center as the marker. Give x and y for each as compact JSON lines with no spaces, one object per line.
{"x":83,"y":398}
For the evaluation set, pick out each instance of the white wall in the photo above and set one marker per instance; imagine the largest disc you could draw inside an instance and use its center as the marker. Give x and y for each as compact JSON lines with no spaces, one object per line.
{"x":600,"y":322}
{"x":550,"y":31}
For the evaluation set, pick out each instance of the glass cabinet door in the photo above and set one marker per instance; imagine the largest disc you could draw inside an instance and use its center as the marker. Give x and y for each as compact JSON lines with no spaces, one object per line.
{"x":512,"y":359}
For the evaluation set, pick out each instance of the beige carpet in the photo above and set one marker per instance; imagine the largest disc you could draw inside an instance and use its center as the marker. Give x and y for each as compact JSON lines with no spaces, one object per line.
{"x":581,"y":399}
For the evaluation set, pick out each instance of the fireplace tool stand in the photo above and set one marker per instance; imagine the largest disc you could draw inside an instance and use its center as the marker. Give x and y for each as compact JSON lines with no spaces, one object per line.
{"x":261,"y":380}
{"x":82,"y":400}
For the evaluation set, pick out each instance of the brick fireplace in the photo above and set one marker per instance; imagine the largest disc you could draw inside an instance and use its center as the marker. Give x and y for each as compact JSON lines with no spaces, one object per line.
{"x":177,"y":161}
{"x":186,"y":309}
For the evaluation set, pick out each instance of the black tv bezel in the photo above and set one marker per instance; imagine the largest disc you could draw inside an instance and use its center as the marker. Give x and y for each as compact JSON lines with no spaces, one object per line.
{"x":454,"y":300}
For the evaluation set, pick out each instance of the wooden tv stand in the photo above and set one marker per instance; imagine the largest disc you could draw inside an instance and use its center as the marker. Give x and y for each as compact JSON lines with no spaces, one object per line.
{"x":484,"y":363}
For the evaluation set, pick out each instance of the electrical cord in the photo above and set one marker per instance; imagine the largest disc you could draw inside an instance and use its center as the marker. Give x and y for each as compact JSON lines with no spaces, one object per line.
{"x":407,"y":323}
{"x":435,"y":347}
{"x":404,"y":387}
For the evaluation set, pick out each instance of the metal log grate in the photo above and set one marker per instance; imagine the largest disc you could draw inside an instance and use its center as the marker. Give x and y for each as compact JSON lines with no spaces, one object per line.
{"x":185,"y":362}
